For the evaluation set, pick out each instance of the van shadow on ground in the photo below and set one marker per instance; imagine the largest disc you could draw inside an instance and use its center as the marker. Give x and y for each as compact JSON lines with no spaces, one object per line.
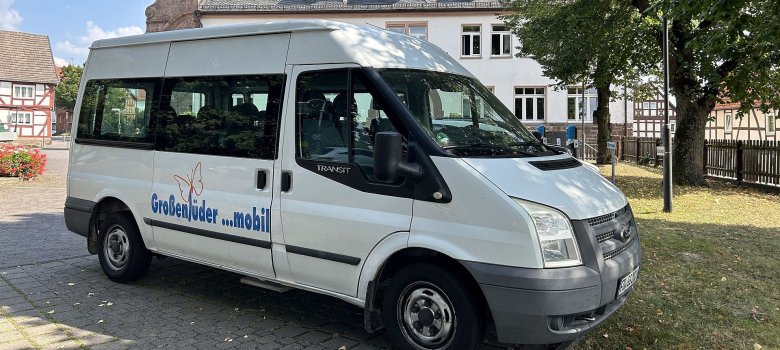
{"x":31,"y":238}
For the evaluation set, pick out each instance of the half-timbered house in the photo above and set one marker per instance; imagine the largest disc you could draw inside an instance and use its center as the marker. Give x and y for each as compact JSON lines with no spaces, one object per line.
{"x":27,"y":80}
{"x":649,"y":116}
{"x":726,"y":123}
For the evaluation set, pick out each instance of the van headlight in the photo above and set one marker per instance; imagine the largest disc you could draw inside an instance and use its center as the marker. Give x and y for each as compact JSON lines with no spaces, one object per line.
{"x":556,"y":236}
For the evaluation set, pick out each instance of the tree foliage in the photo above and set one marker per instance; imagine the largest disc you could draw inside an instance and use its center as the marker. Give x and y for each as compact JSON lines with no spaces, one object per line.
{"x":719,"y":51}
{"x":66,"y":91}
{"x":601,"y":42}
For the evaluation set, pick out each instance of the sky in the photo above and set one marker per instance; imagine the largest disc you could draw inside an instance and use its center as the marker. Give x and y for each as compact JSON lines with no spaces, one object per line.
{"x":72,"y":25}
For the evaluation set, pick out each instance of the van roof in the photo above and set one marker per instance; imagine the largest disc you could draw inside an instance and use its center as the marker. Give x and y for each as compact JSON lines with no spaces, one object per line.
{"x":221,"y":32}
{"x":335,"y":42}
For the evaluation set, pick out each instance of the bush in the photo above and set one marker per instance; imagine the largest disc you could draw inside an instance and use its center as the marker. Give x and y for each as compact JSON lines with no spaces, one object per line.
{"x":18,"y":161}
{"x":644,"y":159}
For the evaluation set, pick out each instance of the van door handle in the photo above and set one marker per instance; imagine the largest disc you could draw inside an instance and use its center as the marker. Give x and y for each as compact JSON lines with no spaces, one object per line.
{"x":262,"y":179}
{"x":286,"y":181}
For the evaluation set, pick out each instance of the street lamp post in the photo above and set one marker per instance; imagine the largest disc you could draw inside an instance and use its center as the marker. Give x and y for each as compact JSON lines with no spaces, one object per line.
{"x":582,"y":118}
{"x":667,"y":136}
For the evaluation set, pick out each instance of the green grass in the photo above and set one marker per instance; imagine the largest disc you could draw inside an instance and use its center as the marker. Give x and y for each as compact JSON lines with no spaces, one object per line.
{"x":711,"y":269}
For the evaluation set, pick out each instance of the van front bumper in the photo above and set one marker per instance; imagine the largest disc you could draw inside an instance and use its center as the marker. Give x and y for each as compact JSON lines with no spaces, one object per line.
{"x":549,"y":306}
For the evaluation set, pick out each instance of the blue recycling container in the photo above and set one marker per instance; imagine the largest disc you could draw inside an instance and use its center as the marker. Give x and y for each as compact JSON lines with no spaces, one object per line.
{"x":540,"y":130}
{"x":571,"y":132}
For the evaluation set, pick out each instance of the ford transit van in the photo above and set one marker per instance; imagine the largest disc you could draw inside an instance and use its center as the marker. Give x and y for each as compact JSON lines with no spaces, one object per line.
{"x":349,"y":161}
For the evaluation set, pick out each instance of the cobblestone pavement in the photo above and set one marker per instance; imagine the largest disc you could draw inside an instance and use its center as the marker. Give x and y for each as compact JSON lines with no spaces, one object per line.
{"x":53,"y":294}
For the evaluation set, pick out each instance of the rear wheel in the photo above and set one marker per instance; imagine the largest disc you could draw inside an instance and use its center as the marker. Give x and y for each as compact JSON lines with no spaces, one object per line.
{"x":122,"y":254}
{"x":427,"y":307}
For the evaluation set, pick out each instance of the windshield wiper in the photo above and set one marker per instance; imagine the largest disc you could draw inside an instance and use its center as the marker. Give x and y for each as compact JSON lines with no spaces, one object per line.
{"x":473,"y":145}
{"x":526,"y":143}
{"x":490,"y":146}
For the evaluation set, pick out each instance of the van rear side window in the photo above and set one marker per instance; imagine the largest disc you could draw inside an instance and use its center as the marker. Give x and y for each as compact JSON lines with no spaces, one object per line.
{"x":117,"y":110}
{"x":226,"y":116}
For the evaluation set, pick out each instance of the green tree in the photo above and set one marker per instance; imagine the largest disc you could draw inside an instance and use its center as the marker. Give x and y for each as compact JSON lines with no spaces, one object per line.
{"x":718,"y":51}
{"x":66,"y":91}
{"x":602,"y":42}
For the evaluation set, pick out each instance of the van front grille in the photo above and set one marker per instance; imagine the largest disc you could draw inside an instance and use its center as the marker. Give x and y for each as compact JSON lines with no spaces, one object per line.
{"x":601,"y":219}
{"x":606,"y":217}
{"x":616,"y":252}
{"x":606,"y":230}
{"x":603,"y":237}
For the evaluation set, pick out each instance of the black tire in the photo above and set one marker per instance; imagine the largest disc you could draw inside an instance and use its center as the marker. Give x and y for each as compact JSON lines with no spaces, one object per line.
{"x":458,"y":323}
{"x":122,"y":253}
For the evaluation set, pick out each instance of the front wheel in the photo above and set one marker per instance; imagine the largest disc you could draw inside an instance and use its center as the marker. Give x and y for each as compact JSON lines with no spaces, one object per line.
{"x":122,"y":254}
{"x":426,"y":307}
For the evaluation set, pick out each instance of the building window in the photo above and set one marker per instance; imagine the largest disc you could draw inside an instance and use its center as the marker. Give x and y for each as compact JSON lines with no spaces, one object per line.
{"x":20,"y":118}
{"x":24,"y":91}
{"x":771,"y":126}
{"x":491,"y":88}
{"x":672,"y":128}
{"x":471,"y":41}
{"x":728,"y":124}
{"x":574,"y":103}
{"x":529,"y":103}
{"x":500,"y":41}
{"x":418,"y":30}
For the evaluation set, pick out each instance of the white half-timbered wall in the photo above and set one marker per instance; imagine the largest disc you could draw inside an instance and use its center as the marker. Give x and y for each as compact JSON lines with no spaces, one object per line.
{"x":39,"y":105}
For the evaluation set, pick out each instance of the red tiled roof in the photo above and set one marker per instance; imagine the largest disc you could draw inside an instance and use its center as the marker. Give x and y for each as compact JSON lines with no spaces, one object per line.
{"x":732,"y":105}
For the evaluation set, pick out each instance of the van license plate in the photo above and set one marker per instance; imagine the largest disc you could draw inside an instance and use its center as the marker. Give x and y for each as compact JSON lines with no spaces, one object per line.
{"x":627,"y":281}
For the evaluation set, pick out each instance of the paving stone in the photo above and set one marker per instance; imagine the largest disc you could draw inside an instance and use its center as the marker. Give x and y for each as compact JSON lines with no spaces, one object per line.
{"x":41,"y":330}
{"x":313,"y":337}
{"x":338,"y":343}
{"x":10,"y":335}
{"x":115,"y":345}
{"x":50,"y":338}
{"x":17,"y":345}
{"x":63,"y":345}
{"x":15,"y":308}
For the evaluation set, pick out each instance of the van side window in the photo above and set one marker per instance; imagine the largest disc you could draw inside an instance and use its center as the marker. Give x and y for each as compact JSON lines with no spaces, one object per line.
{"x":117,"y":110}
{"x":227,"y":116}
{"x":337,"y":117}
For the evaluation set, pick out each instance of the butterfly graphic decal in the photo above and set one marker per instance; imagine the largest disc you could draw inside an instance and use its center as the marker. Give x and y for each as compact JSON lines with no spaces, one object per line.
{"x":189,"y":184}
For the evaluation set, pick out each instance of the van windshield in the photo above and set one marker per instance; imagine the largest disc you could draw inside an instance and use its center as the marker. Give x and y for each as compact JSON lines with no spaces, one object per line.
{"x":462,"y":116}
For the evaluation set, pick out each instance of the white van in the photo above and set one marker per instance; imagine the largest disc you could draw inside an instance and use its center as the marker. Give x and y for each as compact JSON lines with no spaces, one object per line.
{"x":348,"y":161}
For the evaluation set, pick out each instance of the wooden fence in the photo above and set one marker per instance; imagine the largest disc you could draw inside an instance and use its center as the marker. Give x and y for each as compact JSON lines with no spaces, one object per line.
{"x":755,"y":162}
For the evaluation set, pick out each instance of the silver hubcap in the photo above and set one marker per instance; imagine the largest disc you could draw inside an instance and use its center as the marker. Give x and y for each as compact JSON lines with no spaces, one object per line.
{"x":427,"y":316}
{"x":117,"y":248}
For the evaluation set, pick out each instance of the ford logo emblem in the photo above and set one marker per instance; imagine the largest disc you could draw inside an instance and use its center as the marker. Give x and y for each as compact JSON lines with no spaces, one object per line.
{"x":625,"y":233}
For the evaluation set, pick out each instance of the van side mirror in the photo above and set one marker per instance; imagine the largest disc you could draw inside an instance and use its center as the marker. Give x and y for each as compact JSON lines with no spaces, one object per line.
{"x":388,"y":154}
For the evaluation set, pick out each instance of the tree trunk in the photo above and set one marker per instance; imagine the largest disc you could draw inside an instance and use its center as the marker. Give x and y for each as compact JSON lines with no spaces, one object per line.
{"x":604,"y":126}
{"x":688,"y":149}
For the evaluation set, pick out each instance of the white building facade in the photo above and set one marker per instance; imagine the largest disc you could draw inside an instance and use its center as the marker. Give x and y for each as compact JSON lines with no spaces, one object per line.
{"x":469,"y":31}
